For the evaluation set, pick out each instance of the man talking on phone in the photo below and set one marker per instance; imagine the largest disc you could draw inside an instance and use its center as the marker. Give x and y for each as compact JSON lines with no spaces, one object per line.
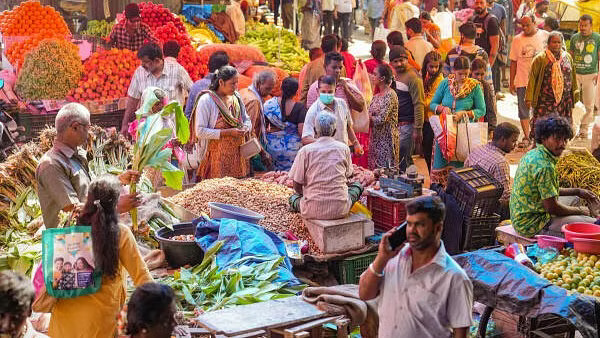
{"x":422,"y":291}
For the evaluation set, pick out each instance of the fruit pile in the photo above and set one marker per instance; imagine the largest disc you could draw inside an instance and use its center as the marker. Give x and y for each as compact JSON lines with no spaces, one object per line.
{"x":17,"y":51}
{"x":50,"y":70}
{"x":107,"y":75}
{"x":193,"y":62}
{"x":573,"y":271}
{"x":170,"y":32}
{"x":31,"y":17}
{"x":155,"y":16}
{"x":99,"y":28}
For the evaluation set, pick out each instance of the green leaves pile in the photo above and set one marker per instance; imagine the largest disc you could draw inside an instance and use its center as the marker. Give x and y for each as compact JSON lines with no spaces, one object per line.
{"x":149,"y":149}
{"x":280,"y":46}
{"x":204,"y":287}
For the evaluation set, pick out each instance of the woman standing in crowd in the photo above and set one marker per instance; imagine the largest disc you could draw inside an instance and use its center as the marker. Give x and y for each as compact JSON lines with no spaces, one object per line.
{"x":461,"y":96}
{"x":115,"y":250}
{"x":383,"y":112}
{"x":552,"y":84}
{"x":220,"y":125}
{"x":285,"y":119}
{"x":432,"y":77}
{"x":378,"y":49}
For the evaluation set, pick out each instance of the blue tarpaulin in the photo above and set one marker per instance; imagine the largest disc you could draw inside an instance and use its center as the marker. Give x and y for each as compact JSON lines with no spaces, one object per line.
{"x":243,"y":239}
{"x":502,"y":283}
{"x":203,"y":12}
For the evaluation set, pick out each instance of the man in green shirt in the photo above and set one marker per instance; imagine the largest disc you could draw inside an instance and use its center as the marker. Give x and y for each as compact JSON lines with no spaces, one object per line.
{"x":534,"y":205}
{"x":585,"y":48}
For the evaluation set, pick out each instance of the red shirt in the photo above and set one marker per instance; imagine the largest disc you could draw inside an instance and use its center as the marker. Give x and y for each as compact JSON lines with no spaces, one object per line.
{"x":371,"y":64}
{"x":349,"y":64}
{"x":120,"y":38}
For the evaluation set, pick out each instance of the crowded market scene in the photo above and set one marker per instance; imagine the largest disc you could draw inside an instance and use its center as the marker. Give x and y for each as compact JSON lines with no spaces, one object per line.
{"x":300,"y":168}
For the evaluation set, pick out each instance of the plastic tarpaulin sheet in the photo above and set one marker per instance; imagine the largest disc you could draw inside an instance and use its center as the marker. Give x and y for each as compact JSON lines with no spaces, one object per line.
{"x":503,"y":283}
{"x":243,"y":239}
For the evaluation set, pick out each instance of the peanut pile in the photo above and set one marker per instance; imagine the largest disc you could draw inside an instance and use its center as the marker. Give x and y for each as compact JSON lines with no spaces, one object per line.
{"x":268,"y":199}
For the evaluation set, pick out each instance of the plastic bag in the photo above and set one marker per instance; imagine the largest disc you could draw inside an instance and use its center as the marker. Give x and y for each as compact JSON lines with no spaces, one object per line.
{"x":381,"y":33}
{"x":444,"y":129}
{"x":68,"y":262}
{"x":577,"y":114}
{"x":469,"y":135}
{"x":361,"y":78}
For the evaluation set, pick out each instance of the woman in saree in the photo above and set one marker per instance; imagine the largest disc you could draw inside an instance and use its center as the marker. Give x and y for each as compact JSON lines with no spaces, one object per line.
{"x":285,"y":119}
{"x":220,"y":125}
{"x":462,"y":97}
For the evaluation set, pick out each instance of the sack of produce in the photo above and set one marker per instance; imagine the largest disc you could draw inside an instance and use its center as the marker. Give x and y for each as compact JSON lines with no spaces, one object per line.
{"x":68,"y":262}
{"x":236,"y":53}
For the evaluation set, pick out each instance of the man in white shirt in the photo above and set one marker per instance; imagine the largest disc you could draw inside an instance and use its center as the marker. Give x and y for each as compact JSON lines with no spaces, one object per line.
{"x":417,"y":44}
{"x":157,"y":72}
{"x":338,"y":107}
{"x":343,"y":15}
{"x":524,"y":47}
{"x":422,"y":291}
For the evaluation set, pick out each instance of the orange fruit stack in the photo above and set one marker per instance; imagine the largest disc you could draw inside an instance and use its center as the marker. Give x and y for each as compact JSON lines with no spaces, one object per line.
{"x":31,"y":17}
{"x":17,"y":51}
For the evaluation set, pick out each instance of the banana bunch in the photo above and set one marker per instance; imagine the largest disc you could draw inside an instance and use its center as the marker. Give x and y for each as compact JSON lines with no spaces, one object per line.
{"x":99,"y":28}
{"x":280,"y":46}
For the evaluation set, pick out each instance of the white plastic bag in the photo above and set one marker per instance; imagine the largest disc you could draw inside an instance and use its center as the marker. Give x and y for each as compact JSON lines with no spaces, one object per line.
{"x":577,"y":115}
{"x":468,"y":137}
{"x":381,"y":33}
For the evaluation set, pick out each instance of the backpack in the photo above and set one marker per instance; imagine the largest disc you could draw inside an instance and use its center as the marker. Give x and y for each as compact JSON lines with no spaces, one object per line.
{"x":502,"y":53}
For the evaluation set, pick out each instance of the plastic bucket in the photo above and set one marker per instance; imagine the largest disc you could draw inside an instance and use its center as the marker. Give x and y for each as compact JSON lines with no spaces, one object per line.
{"x":222,"y":210}
{"x":179,"y":253}
{"x":581,"y":230}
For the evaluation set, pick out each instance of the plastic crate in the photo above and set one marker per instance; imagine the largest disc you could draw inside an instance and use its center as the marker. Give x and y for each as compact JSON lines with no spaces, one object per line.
{"x":108,"y":120}
{"x":35,"y":123}
{"x":348,"y":270}
{"x":479,"y":232}
{"x":386,"y":214}
{"x":476,"y":191}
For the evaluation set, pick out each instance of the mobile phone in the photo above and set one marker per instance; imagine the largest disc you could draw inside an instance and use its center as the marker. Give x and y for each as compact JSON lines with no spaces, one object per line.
{"x":398,"y":237}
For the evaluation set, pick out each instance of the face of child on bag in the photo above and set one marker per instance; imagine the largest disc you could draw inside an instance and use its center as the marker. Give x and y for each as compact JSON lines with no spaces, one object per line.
{"x":67,"y":267}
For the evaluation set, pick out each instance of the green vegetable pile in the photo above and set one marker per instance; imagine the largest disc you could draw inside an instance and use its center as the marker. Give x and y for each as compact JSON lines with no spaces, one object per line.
{"x":280,"y":46}
{"x":99,"y":28}
{"x":207,"y":288}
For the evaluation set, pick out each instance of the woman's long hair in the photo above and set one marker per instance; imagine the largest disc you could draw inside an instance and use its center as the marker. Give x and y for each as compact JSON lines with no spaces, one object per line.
{"x":100,"y":212}
{"x":289,"y":88}
{"x":428,"y":81}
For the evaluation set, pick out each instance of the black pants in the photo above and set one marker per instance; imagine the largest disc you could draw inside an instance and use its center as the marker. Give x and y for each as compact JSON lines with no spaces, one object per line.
{"x":427,"y":143}
{"x":496,"y":74}
{"x":343,"y":23}
{"x":327,"y":22}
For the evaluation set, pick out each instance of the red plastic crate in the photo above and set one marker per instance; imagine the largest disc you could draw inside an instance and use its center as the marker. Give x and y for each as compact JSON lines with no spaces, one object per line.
{"x":386,"y":214}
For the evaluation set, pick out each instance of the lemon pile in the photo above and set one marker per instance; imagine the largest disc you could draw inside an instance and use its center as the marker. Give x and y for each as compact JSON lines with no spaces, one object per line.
{"x":573,"y":271}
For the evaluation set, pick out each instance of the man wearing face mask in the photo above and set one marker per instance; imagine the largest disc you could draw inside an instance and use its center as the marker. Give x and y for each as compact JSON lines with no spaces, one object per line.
{"x":411,"y":105}
{"x":338,"y":107}
{"x":131,"y":32}
{"x":154,"y":72}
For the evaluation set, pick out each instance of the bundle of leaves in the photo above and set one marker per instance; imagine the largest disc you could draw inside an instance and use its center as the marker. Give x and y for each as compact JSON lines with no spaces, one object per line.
{"x":50,"y":70}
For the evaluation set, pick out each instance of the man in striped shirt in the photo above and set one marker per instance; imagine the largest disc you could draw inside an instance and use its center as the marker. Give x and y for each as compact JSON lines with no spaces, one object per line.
{"x":155,"y":71}
{"x":320,"y":173}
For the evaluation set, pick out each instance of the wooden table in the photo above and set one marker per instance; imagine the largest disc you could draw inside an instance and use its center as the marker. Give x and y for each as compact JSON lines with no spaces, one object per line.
{"x":288,"y":317}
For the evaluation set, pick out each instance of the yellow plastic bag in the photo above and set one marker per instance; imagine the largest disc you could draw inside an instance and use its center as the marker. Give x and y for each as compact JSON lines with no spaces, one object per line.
{"x":359,"y":208}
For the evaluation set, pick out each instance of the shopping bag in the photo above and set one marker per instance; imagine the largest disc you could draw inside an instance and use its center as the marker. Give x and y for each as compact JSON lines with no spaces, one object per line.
{"x":68,"y":262}
{"x":469,"y":136}
{"x":444,"y":130}
{"x":381,"y":33}
{"x":361,"y":79}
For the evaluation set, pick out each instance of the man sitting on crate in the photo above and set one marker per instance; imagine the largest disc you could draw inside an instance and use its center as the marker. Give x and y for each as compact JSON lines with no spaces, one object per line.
{"x":534,"y":201}
{"x":491,"y":157}
{"x":320,"y":173}
{"x":63,"y":175}
{"x":422,"y":291}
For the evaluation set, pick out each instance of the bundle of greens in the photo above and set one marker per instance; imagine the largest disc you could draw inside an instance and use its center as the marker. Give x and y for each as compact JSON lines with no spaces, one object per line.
{"x":207,"y":288}
{"x":149,"y":149}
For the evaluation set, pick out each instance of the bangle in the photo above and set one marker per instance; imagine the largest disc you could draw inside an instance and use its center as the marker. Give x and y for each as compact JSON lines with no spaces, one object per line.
{"x":380,"y":275}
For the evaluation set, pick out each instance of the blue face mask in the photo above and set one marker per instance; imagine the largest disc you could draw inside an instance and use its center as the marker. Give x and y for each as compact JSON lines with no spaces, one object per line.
{"x":326,"y":98}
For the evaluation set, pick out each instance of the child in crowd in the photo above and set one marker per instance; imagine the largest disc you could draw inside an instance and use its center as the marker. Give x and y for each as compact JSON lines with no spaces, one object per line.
{"x":478,"y":70}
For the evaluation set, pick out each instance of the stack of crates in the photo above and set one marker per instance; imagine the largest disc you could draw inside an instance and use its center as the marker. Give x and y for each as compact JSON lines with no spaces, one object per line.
{"x":478,"y":194}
